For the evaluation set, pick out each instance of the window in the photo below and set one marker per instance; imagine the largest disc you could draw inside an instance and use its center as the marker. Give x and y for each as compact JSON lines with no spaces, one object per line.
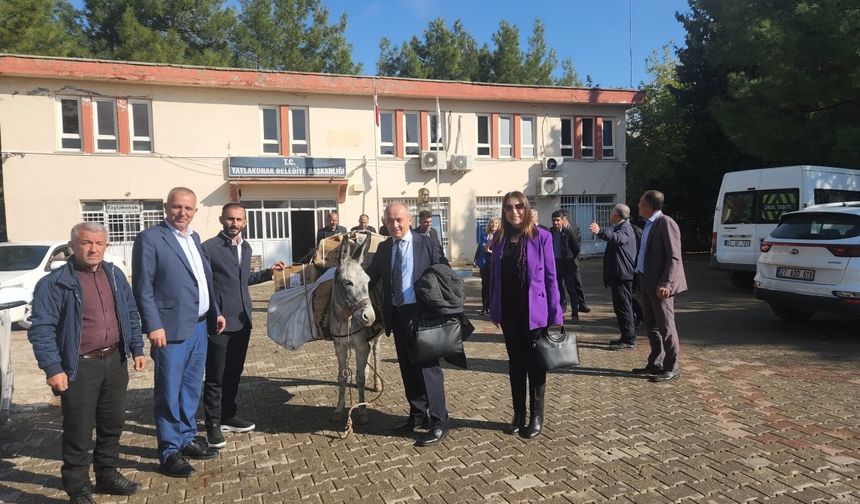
{"x":566,"y":137}
{"x":506,"y":136}
{"x":140,"y":118}
{"x":589,"y":208}
{"x":105,"y":125}
{"x":410,"y":124}
{"x":608,"y":138}
{"x":486,"y":207}
{"x":835,"y":196}
{"x":527,"y":125}
{"x":587,"y":138}
{"x":440,"y":207}
{"x":271,"y":130}
{"x":386,"y":133}
{"x":435,"y":143}
{"x":738,"y":207}
{"x":484,"y":135}
{"x":125,"y":218}
{"x":70,"y":124}
{"x":299,"y":131}
{"x":772,"y":203}
{"x":818,"y":226}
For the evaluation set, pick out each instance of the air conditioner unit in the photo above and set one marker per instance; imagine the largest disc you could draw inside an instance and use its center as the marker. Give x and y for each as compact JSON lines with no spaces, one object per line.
{"x":550,"y":186}
{"x":430,"y":160}
{"x":462,"y":162}
{"x":551,"y":164}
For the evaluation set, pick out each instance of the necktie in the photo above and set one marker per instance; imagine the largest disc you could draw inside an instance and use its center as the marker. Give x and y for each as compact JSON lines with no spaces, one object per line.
{"x":397,"y":275}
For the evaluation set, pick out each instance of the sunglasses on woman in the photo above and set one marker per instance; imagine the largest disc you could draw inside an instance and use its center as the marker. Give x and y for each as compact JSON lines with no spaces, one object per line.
{"x":518,"y":206}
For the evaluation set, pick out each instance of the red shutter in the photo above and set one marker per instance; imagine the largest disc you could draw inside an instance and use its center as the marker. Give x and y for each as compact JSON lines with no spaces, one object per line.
{"x":577,"y":137}
{"x":494,"y":136}
{"x":518,"y":141}
{"x":424,"y":129}
{"x":399,"y":149}
{"x":284,"y":140}
{"x":87,"y":133}
{"x":598,"y":138}
{"x":122,"y":127}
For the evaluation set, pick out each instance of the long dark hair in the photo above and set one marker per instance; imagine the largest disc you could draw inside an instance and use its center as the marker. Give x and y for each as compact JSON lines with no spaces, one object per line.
{"x":527,"y":228}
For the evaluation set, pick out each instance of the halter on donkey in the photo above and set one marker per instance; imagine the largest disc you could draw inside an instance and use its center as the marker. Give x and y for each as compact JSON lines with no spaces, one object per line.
{"x":350,"y":323}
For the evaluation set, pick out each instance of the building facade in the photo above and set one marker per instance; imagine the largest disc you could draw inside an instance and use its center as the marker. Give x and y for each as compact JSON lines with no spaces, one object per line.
{"x":105,"y":141}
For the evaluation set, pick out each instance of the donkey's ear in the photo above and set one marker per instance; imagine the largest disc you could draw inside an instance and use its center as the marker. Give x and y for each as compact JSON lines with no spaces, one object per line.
{"x":344,"y":251}
{"x":361,"y":250}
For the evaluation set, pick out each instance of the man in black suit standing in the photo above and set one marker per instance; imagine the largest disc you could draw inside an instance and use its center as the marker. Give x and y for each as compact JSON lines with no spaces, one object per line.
{"x":567,"y":243}
{"x":425,"y":225}
{"x":399,"y":262}
{"x":230,"y":257}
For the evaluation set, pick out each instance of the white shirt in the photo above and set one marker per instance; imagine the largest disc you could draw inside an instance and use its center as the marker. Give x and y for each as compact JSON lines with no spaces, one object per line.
{"x":640,"y":259}
{"x":237,"y":244}
{"x":192,"y":253}
{"x":406,"y":273}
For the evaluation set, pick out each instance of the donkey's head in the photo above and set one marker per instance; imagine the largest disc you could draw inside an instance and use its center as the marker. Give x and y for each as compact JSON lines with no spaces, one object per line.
{"x":350,"y":295}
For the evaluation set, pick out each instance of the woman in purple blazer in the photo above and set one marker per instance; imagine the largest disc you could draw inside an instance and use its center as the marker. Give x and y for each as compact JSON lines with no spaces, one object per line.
{"x":523,"y":299}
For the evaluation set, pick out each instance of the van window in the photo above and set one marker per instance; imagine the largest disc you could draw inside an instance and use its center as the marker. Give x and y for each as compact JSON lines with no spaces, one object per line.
{"x":738,"y":207}
{"x":835,"y":196}
{"x":818,"y":226}
{"x":772,"y":203}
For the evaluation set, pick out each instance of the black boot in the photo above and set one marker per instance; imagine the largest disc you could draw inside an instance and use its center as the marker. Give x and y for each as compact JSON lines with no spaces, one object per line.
{"x":518,"y":396}
{"x":536,"y":413}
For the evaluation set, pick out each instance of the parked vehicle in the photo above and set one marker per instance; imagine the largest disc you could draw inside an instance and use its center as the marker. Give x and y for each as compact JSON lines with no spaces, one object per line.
{"x":811,"y":262}
{"x":10,"y":297}
{"x":751,"y":202}
{"x":22,"y":264}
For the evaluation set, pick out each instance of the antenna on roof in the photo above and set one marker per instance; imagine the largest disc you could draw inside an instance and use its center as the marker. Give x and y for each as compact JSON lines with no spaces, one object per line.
{"x":630,"y":41}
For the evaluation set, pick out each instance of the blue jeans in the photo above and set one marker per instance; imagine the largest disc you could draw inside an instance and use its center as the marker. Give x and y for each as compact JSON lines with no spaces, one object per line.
{"x":178,"y":384}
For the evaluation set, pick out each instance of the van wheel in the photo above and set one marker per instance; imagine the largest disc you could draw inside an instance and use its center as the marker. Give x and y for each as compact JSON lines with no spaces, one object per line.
{"x":742,"y":279}
{"x":791,"y":314}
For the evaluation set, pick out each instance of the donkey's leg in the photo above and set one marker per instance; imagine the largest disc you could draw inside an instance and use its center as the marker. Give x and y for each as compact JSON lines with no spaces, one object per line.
{"x":374,"y":358}
{"x":362,"y":349}
{"x":341,"y":349}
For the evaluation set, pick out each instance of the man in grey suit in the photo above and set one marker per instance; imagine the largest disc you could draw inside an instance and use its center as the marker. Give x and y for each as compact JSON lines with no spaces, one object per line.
{"x":230,"y":257}
{"x":659,"y":263}
{"x":172,"y":284}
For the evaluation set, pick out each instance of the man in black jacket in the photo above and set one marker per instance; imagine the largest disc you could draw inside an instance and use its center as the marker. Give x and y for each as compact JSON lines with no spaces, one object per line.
{"x":619,"y":261}
{"x":230,"y":257}
{"x":567,"y":243}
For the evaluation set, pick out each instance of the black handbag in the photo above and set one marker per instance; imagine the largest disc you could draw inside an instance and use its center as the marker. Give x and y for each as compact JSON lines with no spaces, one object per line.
{"x":438,"y":336}
{"x":555,"y":348}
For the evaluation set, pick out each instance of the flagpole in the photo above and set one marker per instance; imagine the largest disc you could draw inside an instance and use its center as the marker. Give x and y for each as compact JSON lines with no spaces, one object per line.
{"x":438,"y":145}
{"x":379,"y":216}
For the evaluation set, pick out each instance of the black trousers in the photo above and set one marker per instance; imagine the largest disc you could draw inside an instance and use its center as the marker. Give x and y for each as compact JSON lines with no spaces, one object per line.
{"x":424,"y":383}
{"x":522,"y":365}
{"x":570,"y":279}
{"x":95,"y":399}
{"x":225,"y":361}
{"x":485,"y":288}
{"x":622,"y":303}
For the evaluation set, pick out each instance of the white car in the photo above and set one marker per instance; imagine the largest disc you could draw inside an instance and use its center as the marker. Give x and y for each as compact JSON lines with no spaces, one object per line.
{"x":10,"y":297}
{"x":22,"y":264}
{"x":811,"y":262}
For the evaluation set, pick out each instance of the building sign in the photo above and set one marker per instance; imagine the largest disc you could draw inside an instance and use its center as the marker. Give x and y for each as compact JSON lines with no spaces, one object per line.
{"x":122,"y":206}
{"x":285,"y":167}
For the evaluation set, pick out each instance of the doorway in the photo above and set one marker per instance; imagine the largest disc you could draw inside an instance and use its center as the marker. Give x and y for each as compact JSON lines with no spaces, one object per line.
{"x":304,"y":235}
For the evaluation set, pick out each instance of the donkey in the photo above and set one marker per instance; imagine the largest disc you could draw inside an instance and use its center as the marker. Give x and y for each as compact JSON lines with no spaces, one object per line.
{"x":350,"y":321}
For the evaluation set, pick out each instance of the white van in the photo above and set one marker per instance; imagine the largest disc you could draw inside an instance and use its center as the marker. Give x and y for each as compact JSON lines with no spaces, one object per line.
{"x":750,"y":203}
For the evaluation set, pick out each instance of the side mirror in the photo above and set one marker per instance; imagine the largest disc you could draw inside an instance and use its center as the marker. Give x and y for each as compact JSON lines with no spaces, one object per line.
{"x":11,"y":297}
{"x":55,"y":265}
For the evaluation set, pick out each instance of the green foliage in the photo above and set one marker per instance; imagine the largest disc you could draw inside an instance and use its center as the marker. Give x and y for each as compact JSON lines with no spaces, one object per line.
{"x":292,"y":35}
{"x":41,"y":27}
{"x":453,"y":54}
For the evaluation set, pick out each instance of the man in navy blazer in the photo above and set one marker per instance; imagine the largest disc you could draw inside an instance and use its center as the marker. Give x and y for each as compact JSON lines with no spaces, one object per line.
{"x":230,"y":257}
{"x":619,"y":260}
{"x":399,"y":262}
{"x":172,"y":284}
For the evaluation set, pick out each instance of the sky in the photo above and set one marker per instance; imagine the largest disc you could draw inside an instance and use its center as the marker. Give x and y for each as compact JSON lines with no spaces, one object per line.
{"x":594,"y":33}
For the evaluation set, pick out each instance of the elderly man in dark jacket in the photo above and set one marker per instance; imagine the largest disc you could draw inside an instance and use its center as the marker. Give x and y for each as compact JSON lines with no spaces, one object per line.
{"x":619,"y":261}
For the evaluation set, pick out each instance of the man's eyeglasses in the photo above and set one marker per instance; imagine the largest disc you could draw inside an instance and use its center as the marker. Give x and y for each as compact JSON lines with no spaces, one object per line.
{"x":518,"y":206}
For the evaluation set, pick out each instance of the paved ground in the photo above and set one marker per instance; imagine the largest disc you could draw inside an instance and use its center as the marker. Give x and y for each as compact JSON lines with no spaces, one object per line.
{"x":764,"y":412}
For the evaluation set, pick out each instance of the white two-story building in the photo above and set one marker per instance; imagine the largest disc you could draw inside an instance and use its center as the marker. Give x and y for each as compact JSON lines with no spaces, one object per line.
{"x":106,"y":140}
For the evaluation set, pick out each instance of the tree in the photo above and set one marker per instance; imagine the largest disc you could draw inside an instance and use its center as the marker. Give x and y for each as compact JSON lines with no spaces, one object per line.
{"x":656,"y":132}
{"x":539,"y":63}
{"x":41,"y":27}
{"x":172,"y":31}
{"x":507,"y":57}
{"x":292,"y":35}
{"x":569,"y":77}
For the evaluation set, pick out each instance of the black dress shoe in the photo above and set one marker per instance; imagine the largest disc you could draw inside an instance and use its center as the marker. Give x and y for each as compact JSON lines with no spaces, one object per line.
{"x":176,"y":467}
{"x":665,"y":376}
{"x":647,"y":370}
{"x":621,"y":345}
{"x":435,"y":436}
{"x":584,"y":309}
{"x":408,"y":427}
{"x":82,"y":496}
{"x":114,"y":483}
{"x":199,"y":450}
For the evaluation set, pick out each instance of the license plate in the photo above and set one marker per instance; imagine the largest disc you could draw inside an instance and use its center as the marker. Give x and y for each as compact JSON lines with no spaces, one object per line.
{"x":796,"y":274}
{"x":737,"y":243}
